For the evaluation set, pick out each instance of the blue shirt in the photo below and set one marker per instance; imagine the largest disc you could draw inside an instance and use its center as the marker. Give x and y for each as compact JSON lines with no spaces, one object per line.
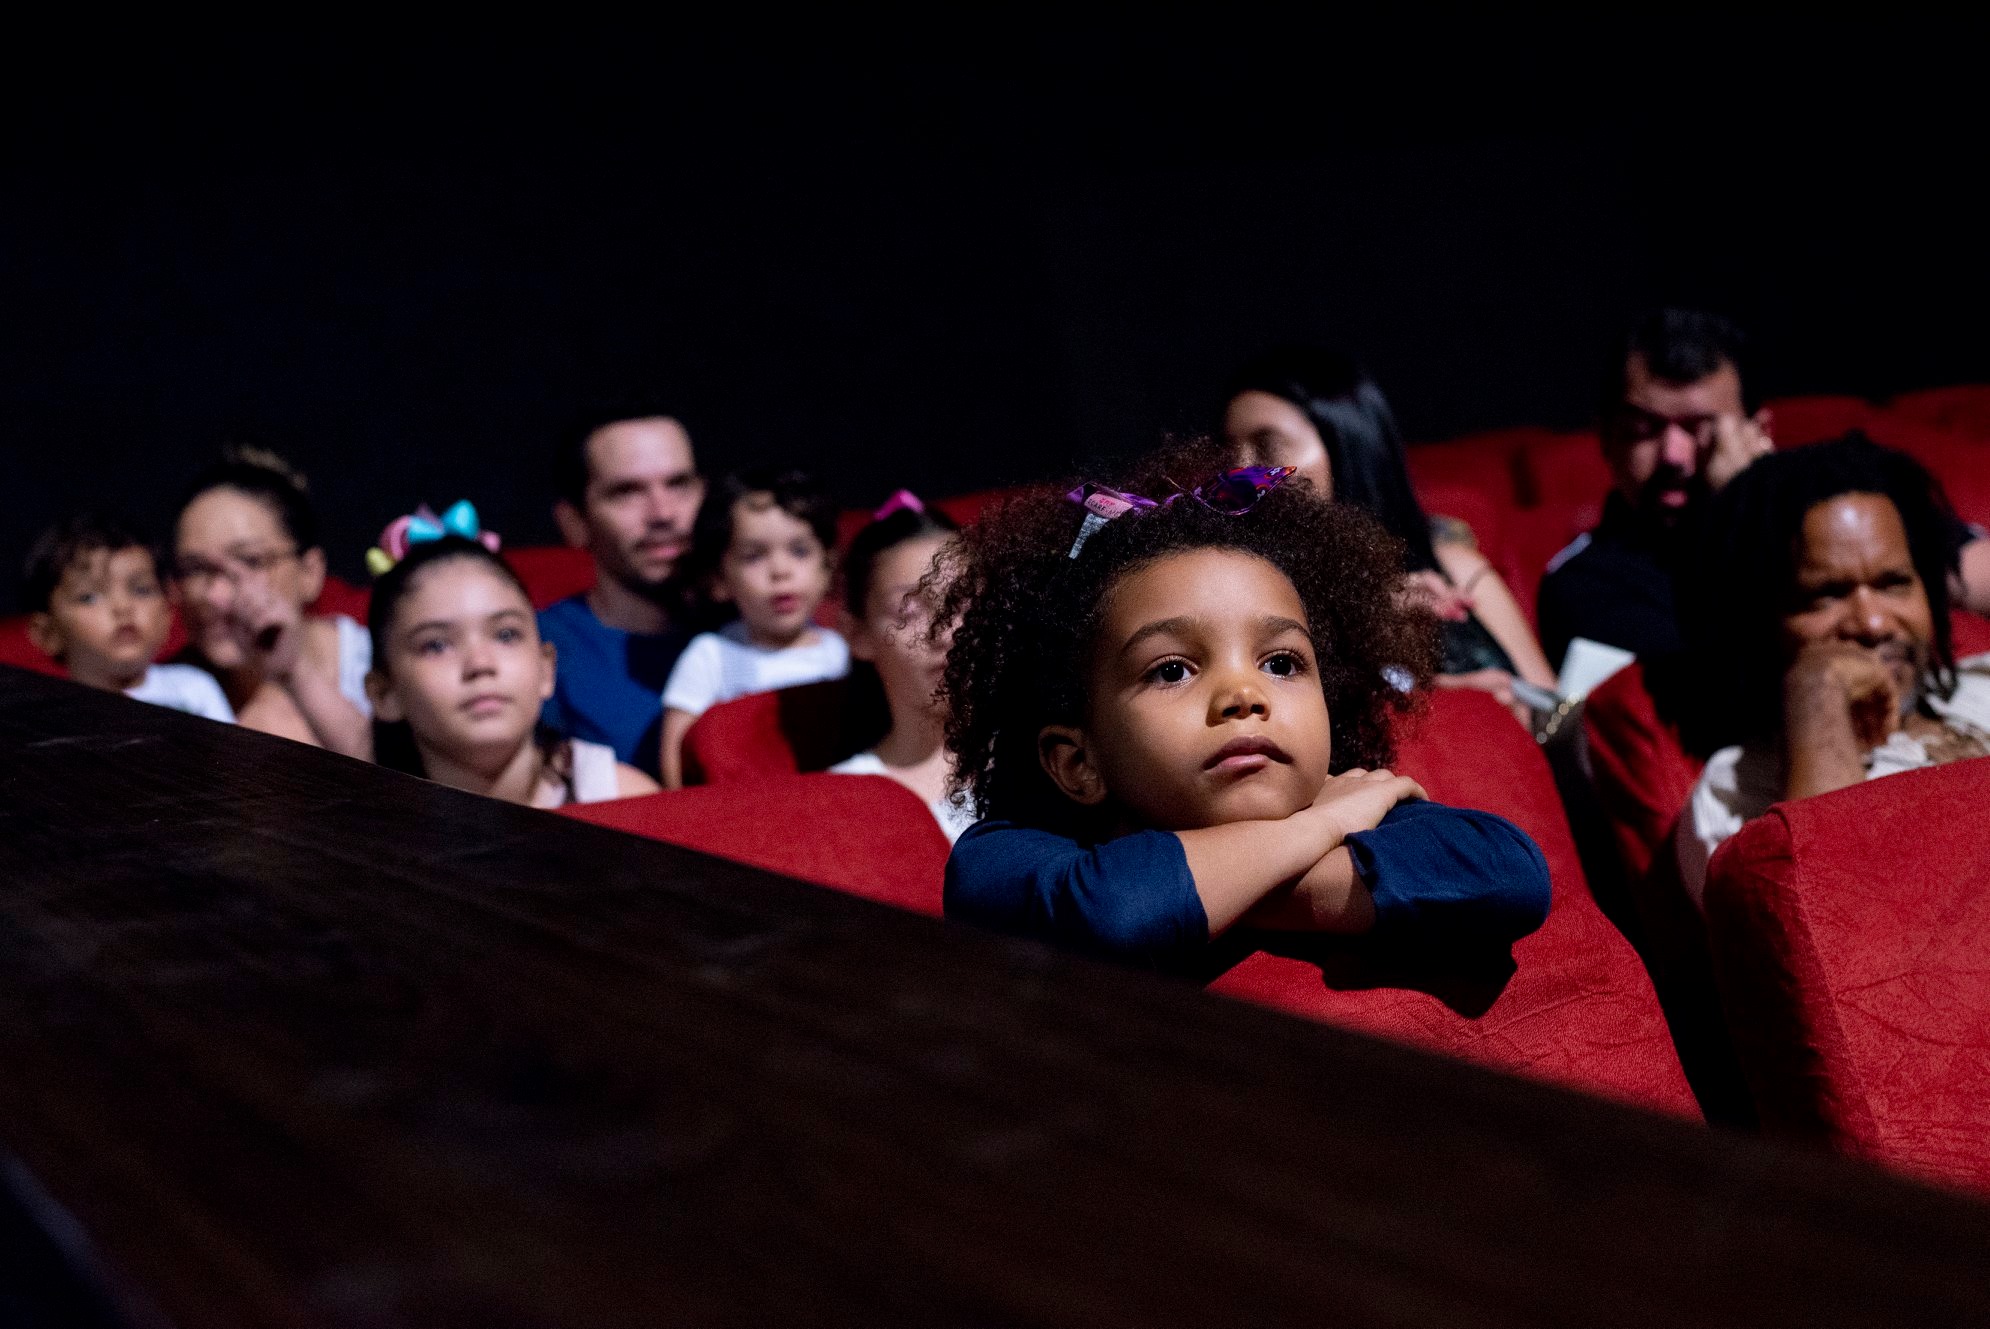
{"x":1440,"y":877}
{"x":609,"y":686}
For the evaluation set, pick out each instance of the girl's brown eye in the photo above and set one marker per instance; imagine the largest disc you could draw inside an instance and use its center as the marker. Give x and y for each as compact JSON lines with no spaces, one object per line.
{"x":1169,"y":671}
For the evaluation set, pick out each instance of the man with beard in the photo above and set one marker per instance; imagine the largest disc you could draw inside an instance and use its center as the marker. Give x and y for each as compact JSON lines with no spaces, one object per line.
{"x":1676,"y":426}
{"x":1816,"y":613}
{"x":630,"y":491}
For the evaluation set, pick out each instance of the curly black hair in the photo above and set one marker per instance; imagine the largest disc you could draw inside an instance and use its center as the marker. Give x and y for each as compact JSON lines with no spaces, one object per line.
{"x":1026,"y":616}
{"x":1739,"y":581}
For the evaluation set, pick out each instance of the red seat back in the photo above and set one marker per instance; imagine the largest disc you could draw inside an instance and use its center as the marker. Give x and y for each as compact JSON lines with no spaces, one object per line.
{"x":863,"y":834}
{"x":17,"y":650}
{"x":1482,"y":463}
{"x":1578,"y":1009}
{"x":1965,"y":407}
{"x":1850,"y":933}
{"x":786,"y":732}
{"x":1797,"y":420}
{"x":1643,"y":774}
{"x":551,"y":573}
{"x":1562,"y":468}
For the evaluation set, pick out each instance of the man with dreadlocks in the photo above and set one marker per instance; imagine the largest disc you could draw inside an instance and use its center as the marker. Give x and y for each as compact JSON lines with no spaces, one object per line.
{"x":1817,"y":625}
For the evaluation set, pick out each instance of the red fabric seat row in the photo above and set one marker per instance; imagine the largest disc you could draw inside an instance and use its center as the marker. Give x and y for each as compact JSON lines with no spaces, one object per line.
{"x":1577,"y":1009}
{"x":1851,"y":937}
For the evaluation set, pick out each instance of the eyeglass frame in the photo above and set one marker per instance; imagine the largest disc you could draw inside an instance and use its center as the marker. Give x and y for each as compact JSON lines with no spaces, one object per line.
{"x":258,"y":565}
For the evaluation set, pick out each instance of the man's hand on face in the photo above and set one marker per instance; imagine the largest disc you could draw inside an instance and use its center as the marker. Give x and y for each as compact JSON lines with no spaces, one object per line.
{"x":1833,"y":684}
{"x":1738,"y":441}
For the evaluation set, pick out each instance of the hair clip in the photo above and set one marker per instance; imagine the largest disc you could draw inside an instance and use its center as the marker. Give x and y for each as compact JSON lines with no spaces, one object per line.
{"x":423,"y":527}
{"x":903,"y":499}
{"x":1232,"y":493}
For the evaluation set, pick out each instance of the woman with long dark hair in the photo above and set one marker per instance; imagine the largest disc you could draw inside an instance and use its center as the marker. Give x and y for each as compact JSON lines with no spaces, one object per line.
{"x":1319,"y":413}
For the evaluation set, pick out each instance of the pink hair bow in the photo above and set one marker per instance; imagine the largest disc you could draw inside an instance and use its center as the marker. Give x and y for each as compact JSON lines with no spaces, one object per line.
{"x":903,"y":499}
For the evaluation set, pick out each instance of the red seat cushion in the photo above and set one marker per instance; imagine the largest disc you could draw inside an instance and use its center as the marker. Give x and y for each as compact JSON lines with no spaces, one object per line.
{"x":1643,"y":773}
{"x":1851,"y":933}
{"x":1578,"y":1008}
{"x":785,"y":732}
{"x":863,"y":834}
{"x":551,"y":573}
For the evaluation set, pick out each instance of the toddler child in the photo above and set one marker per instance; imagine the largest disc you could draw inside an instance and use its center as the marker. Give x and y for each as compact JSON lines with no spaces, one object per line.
{"x":459,"y":674}
{"x":97,"y":607}
{"x":888,"y":616}
{"x":761,"y":547}
{"x":1173,"y":712}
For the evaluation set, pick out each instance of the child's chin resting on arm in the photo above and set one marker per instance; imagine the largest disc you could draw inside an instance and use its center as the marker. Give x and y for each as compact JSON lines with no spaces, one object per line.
{"x":1151,"y":729}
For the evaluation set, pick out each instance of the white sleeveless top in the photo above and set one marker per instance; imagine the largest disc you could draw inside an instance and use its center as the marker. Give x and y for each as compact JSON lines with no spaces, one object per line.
{"x":594,"y":772}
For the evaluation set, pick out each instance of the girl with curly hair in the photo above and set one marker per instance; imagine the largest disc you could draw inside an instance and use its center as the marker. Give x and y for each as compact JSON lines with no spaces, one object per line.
{"x":1173,"y":713}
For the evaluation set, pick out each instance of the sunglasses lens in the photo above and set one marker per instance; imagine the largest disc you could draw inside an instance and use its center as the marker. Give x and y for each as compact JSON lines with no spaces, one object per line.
{"x":1233,"y":494}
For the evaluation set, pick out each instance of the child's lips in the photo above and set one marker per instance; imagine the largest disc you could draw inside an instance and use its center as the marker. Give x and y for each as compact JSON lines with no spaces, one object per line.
{"x":785,"y":604}
{"x":1245,"y":754}
{"x":486,"y":703}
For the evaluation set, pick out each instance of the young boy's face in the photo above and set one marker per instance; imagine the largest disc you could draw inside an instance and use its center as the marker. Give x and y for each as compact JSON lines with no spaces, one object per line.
{"x":107,"y":618}
{"x":1205,"y":698}
{"x":775,"y":570}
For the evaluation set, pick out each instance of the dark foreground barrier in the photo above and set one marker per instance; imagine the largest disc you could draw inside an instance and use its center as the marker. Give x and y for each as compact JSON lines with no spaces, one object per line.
{"x":287,"y":1040}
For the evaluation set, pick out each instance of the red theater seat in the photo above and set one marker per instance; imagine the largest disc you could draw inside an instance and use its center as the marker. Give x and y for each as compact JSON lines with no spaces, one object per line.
{"x":1643,"y":774}
{"x":1798,"y":420}
{"x":1481,"y":463}
{"x":1578,"y":1008}
{"x":1557,"y":468}
{"x":17,"y":650}
{"x":1535,"y":535}
{"x":1965,"y":408}
{"x":551,"y":573}
{"x":1851,"y":933}
{"x":787,"y":732}
{"x":863,"y":834}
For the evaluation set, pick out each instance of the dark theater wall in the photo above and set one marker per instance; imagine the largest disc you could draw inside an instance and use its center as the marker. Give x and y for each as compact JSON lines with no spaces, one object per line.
{"x":932,"y":257}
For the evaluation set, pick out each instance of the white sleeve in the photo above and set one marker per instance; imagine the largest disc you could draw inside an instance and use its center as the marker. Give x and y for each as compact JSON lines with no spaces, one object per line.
{"x":694,"y":680}
{"x":205,"y":697}
{"x":1711,"y":815}
{"x":355,"y":660}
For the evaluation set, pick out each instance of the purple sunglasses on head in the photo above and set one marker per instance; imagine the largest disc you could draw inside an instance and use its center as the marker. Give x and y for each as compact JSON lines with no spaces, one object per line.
{"x":1232,"y":493}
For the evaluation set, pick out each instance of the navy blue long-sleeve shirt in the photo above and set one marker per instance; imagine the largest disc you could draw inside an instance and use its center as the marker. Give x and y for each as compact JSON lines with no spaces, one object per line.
{"x":1439,"y":875}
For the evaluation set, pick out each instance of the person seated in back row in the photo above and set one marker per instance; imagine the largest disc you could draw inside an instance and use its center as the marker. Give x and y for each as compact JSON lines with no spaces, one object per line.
{"x":248,"y":567}
{"x":1173,"y":709}
{"x":1321,"y":415}
{"x":902,"y":658}
{"x":1817,"y":619}
{"x":459,"y":675}
{"x":97,"y":608}
{"x":761,"y":548}
{"x":1678,"y":423}
{"x":629,"y":492}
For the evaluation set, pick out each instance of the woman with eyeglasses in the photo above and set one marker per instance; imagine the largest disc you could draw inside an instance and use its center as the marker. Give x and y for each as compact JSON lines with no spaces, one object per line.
{"x":247,"y":566}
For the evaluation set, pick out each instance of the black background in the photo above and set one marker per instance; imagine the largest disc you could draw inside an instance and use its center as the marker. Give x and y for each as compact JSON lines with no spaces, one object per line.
{"x":943,"y":254}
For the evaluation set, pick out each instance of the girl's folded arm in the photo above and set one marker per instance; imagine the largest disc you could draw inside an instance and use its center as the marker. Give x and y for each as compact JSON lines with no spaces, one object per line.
{"x":1444,"y":873}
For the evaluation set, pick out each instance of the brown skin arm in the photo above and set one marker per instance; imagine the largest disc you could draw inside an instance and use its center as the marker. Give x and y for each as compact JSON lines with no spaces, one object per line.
{"x":1295,"y":874}
{"x":1838,"y":704}
{"x":676,"y":724}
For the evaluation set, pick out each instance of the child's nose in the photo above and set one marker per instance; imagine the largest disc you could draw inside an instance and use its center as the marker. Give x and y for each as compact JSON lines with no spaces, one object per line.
{"x":1240,"y":697}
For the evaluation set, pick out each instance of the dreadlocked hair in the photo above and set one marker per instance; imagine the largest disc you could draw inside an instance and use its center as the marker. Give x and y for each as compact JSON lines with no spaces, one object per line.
{"x":1026,"y":617}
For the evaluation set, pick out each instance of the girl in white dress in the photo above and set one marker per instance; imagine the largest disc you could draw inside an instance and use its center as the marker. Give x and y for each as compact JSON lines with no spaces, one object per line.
{"x":459,"y":674}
